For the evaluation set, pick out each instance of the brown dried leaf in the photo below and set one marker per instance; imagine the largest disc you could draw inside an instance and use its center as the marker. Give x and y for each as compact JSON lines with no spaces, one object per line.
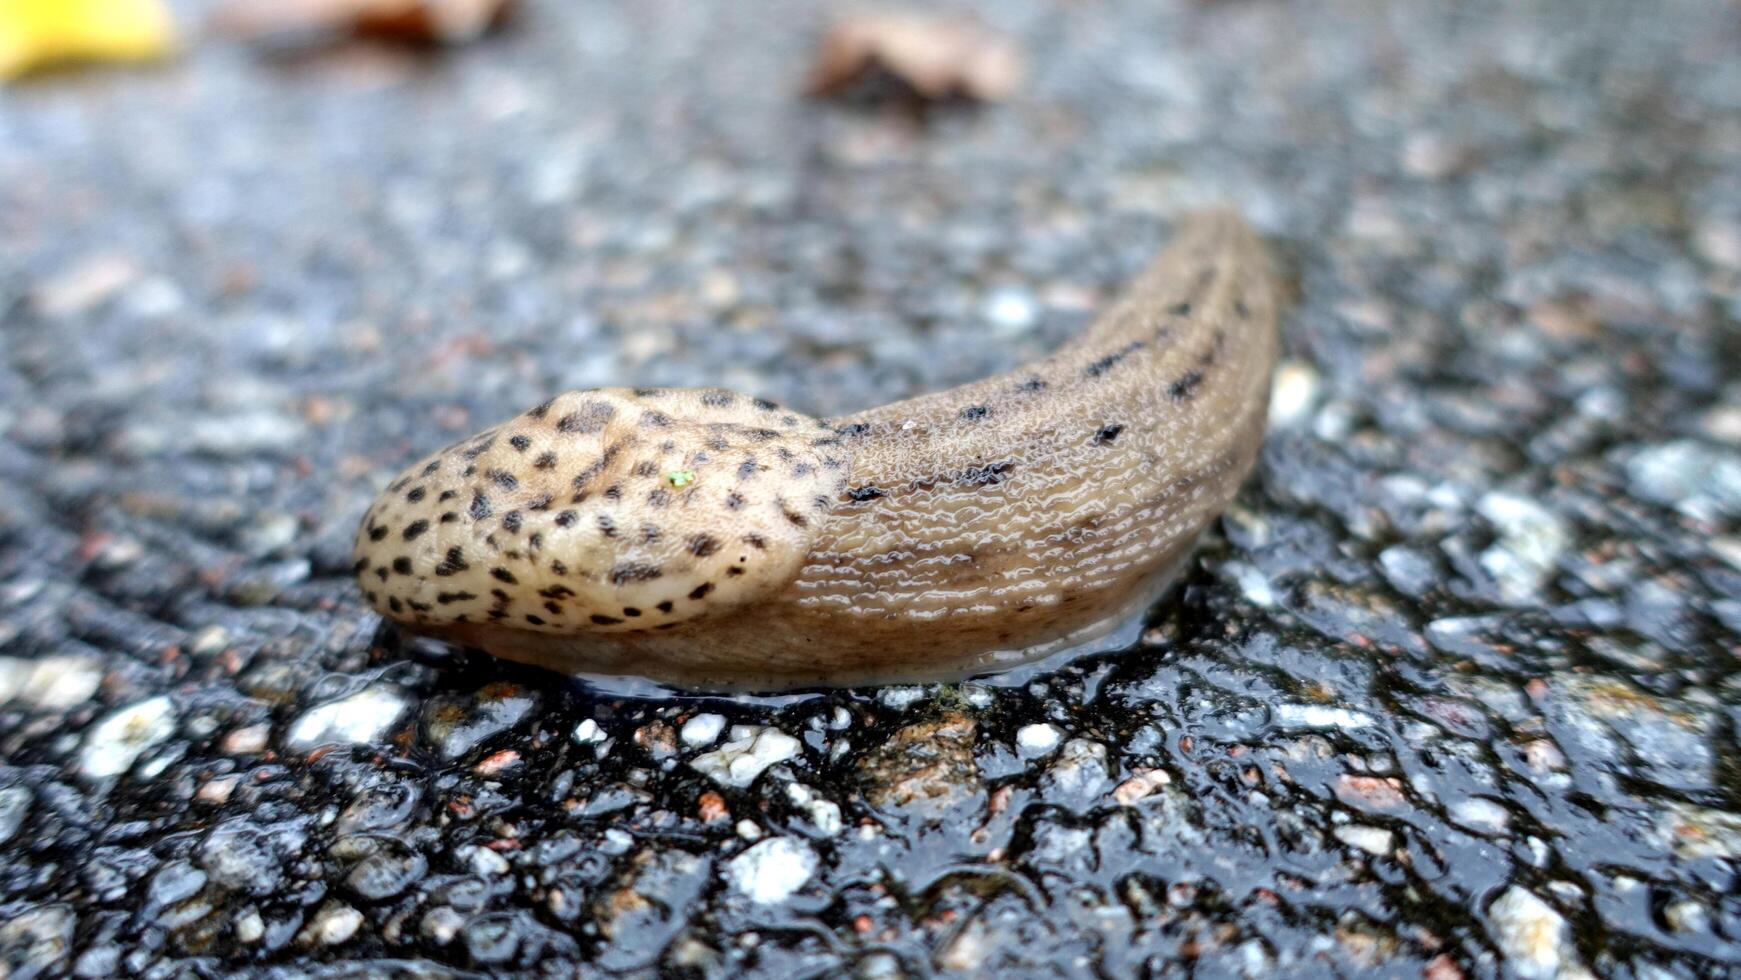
{"x":416,"y":21}
{"x":935,"y":57}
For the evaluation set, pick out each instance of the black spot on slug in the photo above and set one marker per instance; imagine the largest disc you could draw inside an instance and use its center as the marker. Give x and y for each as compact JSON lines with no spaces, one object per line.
{"x":503,"y":479}
{"x":450,"y":597}
{"x":1105,"y":364}
{"x":974,"y":413}
{"x":480,"y":507}
{"x":1185,"y":386}
{"x":854,"y":430}
{"x":565,"y":519}
{"x":520,"y":443}
{"x":453,"y":562}
{"x":865,"y":493}
{"x":605,"y":620}
{"x":545,"y":461}
{"x":402,"y":565}
{"x":377,"y":532}
{"x":634,"y":572}
{"x":1032,"y":384}
{"x":1107,"y":434}
{"x":416,"y":494}
{"x":415,"y":528}
{"x":701,"y":591}
{"x":589,"y":418}
{"x":511,"y":521}
{"x":503,"y":575}
{"x":702,"y":545}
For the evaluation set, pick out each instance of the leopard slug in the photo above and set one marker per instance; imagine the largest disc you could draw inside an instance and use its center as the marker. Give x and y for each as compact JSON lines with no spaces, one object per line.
{"x":708,"y":539}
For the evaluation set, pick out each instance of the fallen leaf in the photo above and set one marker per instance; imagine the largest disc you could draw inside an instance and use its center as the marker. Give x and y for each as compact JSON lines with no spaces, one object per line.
{"x":40,"y":33}
{"x":934,"y":57}
{"x":415,"y":21}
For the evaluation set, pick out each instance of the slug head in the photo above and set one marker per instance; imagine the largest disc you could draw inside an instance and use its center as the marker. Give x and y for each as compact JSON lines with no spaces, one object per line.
{"x":603,"y":511}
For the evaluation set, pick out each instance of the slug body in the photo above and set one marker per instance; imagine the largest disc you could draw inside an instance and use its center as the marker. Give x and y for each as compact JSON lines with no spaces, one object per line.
{"x":708,"y":539}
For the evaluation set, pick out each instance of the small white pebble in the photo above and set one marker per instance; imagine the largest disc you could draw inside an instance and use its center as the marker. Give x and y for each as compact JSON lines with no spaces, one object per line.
{"x":1531,"y":934}
{"x":218,"y":789}
{"x":824,"y":814}
{"x":1304,"y":716}
{"x":333,"y":925}
{"x":772,"y":871}
{"x":1011,"y":309}
{"x":749,"y":753}
{"x":1480,"y":814}
{"x":120,"y":739}
{"x":749,"y":830}
{"x":703,"y":729}
{"x":250,"y":927}
{"x":361,"y":719}
{"x":483,"y":861}
{"x":1373,"y":840}
{"x":901,"y":697}
{"x":588,"y":733}
{"x":1293,"y":394}
{"x":1040,"y":739}
{"x":442,"y":924}
{"x":250,"y":740}
{"x":59,"y":683}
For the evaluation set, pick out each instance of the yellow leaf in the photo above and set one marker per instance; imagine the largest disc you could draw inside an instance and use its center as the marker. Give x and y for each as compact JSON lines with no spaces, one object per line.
{"x":38,"y":33}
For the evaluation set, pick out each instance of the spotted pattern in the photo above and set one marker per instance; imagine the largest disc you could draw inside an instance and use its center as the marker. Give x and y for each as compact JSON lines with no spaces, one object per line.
{"x":723,"y":503}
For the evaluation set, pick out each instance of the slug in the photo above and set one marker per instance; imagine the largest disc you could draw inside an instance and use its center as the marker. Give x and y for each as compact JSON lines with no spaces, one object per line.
{"x":708,"y":539}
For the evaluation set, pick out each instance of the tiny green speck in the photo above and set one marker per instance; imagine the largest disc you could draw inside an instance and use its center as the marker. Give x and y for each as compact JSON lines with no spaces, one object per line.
{"x":680,"y":478}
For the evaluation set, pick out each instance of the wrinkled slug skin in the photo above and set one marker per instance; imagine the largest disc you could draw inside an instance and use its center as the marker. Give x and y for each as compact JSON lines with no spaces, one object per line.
{"x":704,"y":538}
